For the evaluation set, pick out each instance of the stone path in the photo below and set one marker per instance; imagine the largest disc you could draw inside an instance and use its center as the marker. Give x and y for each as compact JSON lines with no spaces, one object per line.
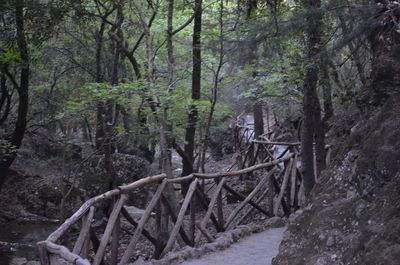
{"x":258,"y":249}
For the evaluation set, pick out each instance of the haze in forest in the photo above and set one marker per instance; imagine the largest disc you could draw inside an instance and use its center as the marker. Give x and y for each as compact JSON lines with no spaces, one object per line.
{"x":168,"y":129}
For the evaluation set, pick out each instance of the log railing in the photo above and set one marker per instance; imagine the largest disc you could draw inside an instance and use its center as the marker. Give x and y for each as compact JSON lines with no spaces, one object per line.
{"x":279,"y":185}
{"x":279,"y":192}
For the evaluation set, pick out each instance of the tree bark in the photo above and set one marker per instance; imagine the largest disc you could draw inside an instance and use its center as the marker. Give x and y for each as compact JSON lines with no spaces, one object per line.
{"x":319,"y":135}
{"x":258,"y":120}
{"x":22,"y":89}
{"x":326,"y":91}
{"x":196,"y":86}
{"x":163,"y":130}
{"x":99,"y":138}
{"x":314,"y":20}
{"x":110,"y":106}
{"x":5,"y":99}
{"x":214,"y":90}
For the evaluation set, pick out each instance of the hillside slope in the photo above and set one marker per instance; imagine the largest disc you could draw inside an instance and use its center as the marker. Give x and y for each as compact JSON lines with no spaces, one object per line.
{"x":354,"y":215}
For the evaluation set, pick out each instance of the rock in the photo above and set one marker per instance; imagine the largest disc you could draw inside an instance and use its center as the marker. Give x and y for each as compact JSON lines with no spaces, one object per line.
{"x":354,"y":218}
{"x":351,"y":194}
{"x":141,"y":261}
{"x":275,"y":222}
{"x":33,"y":262}
{"x":321,"y":261}
{"x":330,"y":242}
{"x":360,"y":208}
{"x":18,"y":261}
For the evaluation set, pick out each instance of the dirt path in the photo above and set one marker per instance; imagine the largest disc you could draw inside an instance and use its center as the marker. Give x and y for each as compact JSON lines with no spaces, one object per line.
{"x":258,"y":249}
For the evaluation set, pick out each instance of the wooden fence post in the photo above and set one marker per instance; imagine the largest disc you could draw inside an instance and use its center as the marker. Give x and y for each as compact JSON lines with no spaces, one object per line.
{"x":181,"y":215}
{"x":109,"y":229}
{"x":84,"y":233}
{"x":129,"y":250}
{"x":249,"y":197}
{"x":283,"y":187}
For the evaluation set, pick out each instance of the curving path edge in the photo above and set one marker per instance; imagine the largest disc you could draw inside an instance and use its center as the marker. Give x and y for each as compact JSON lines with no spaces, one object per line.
{"x":257,"y":249}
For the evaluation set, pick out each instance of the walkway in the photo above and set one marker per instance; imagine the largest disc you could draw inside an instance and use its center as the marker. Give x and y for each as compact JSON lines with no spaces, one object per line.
{"x":258,"y":249}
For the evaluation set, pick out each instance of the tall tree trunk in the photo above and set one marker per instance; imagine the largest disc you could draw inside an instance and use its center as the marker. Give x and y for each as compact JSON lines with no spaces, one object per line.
{"x":170,"y":46}
{"x":258,"y":114}
{"x":214,"y":90}
{"x":110,"y":106}
{"x":5,"y":99}
{"x":258,"y":119}
{"x":326,"y":91}
{"x":22,"y":89}
{"x":319,"y":134}
{"x":310,"y":85}
{"x":164,"y":141}
{"x":100,"y":111}
{"x":196,"y":86}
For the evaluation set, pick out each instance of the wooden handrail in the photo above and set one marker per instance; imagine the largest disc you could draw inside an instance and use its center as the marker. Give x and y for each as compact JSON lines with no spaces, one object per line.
{"x":53,"y":237}
{"x":327,"y":146}
{"x":63,"y":252}
{"x":243,"y":171}
{"x":49,"y":245}
{"x":141,"y":183}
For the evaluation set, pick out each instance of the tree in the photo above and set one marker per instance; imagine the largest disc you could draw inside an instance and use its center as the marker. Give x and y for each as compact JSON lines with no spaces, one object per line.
{"x":258,"y":119}
{"x":385,"y":47}
{"x":196,"y":88}
{"x":22,"y":88}
{"x":311,"y":107}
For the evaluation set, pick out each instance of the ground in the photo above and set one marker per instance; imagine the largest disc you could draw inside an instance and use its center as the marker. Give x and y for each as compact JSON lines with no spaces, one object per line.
{"x":258,"y":249}
{"x":354,"y":215}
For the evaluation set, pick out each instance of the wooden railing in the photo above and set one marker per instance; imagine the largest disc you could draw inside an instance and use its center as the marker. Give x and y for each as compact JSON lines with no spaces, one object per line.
{"x":279,"y":191}
{"x":88,"y":249}
{"x":243,"y":136}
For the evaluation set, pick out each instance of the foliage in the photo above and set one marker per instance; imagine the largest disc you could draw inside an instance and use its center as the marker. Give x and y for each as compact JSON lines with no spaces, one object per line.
{"x":262,"y":61}
{"x":6,"y":149}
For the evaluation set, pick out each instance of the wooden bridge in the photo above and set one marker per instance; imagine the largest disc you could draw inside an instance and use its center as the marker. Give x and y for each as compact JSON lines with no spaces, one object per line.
{"x":202,"y":214}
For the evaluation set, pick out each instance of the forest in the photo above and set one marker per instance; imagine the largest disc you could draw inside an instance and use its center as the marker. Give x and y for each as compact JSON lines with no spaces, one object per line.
{"x":233,"y":113}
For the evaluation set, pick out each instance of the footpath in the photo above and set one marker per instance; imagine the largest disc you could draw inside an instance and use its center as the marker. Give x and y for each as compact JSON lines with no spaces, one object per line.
{"x":258,"y":249}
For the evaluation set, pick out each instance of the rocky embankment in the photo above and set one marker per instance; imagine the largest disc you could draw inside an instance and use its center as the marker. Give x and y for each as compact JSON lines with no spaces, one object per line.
{"x":354,"y":215}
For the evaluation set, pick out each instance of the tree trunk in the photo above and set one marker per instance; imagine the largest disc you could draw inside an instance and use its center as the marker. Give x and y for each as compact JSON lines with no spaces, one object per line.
{"x":314,"y":20}
{"x":319,"y":134}
{"x":5,"y":100}
{"x":163,"y":131}
{"x":214,"y":90}
{"x":110,"y":106}
{"x":196,"y":85}
{"x":100,"y":111}
{"x":258,"y":119}
{"x":326,"y":91}
{"x":22,"y":89}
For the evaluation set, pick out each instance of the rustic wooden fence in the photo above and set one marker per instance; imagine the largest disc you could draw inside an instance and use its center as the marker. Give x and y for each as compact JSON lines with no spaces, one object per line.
{"x":279,"y":191}
{"x":252,"y":151}
{"x":107,"y":249}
